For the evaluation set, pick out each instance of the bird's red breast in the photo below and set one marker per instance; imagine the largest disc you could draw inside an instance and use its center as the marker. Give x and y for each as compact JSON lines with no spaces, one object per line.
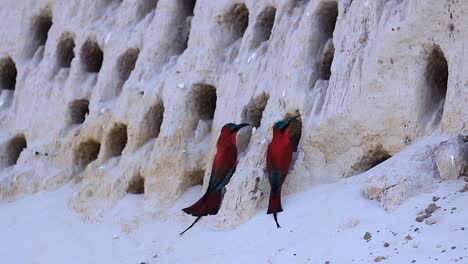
{"x":279,"y":154}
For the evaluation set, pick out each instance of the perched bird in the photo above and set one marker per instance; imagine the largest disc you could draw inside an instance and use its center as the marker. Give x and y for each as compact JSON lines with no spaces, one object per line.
{"x":224,"y":166}
{"x":279,"y":157}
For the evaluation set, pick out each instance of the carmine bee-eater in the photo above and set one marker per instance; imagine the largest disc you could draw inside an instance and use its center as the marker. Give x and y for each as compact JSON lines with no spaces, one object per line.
{"x":279,"y":157}
{"x":224,"y":166}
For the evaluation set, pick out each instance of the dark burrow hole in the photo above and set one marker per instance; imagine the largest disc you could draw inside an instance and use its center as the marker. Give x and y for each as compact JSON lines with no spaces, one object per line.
{"x":65,"y":53}
{"x":253,"y":111}
{"x":236,"y":22}
{"x":126,"y":64}
{"x":92,"y":56}
{"x":196,"y":177}
{"x":372,"y":158}
{"x":78,"y":110}
{"x":327,"y":60}
{"x":145,"y":7}
{"x":264,"y":26}
{"x":185,"y":24}
{"x":8,"y":74}
{"x":205,"y":100}
{"x":87,"y":152}
{"x":117,"y":140}
{"x":436,"y":78}
{"x":328,"y":13}
{"x":295,"y":130}
{"x":136,"y":185}
{"x":152,"y":121}
{"x":252,"y":114}
{"x":16,"y":145}
{"x":41,"y":25}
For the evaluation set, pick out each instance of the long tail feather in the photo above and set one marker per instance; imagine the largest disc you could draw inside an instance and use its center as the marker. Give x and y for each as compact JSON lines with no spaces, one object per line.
{"x":196,"y":220}
{"x":274,"y":205}
{"x":276,"y":220}
{"x":209,"y":204}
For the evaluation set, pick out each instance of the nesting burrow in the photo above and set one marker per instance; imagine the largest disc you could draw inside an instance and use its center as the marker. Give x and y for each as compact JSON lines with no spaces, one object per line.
{"x":86,"y":152}
{"x":295,"y":130}
{"x":234,"y":23}
{"x":253,"y":111}
{"x":436,"y":79}
{"x":116,"y":140}
{"x":65,"y":53}
{"x":15,"y":146}
{"x":78,"y":110}
{"x":327,"y":16}
{"x":372,"y":158}
{"x":125,"y":65}
{"x":195,"y":177}
{"x":40,"y":27}
{"x":152,"y":122}
{"x":252,"y":114}
{"x":263,"y":26}
{"x":145,"y":7}
{"x":204,"y":100}
{"x":8,"y":74}
{"x":186,"y":12}
{"x":91,"y":56}
{"x":136,"y":185}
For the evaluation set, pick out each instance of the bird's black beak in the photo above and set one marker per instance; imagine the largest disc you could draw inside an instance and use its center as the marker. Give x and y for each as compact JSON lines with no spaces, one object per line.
{"x":293,"y":118}
{"x":239,"y":126}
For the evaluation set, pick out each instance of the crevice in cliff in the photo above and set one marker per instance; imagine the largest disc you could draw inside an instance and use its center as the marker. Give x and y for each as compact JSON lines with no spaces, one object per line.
{"x":125,"y":65}
{"x":253,"y":111}
{"x":327,"y":60}
{"x":91,"y":56}
{"x":252,"y":114}
{"x":295,"y":130}
{"x":41,"y":25}
{"x":263,"y":26}
{"x":436,"y":79}
{"x":233,"y":25}
{"x":185,"y":23}
{"x":65,"y":53}
{"x":78,"y":110}
{"x":136,"y":185}
{"x":16,"y":145}
{"x":327,"y":16}
{"x":145,"y":7}
{"x":196,"y":177}
{"x":152,"y":122}
{"x":116,"y":140}
{"x":205,"y":100}
{"x":8,"y":74}
{"x":86,"y":152}
{"x":372,"y":158}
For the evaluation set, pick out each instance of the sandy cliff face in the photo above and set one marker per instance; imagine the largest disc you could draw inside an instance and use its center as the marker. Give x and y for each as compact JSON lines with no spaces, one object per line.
{"x":130,"y":96}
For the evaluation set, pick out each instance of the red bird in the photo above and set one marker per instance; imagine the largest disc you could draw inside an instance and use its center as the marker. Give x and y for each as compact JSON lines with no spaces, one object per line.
{"x":279,"y":157}
{"x":224,"y":166}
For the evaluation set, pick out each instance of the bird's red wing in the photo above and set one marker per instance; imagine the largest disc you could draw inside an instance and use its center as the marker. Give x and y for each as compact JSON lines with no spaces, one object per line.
{"x":279,"y":157}
{"x":224,"y":162}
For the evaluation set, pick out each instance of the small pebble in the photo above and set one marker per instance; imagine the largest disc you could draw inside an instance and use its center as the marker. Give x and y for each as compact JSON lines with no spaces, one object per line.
{"x":367,"y":236}
{"x":422,"y":217}
{"x":379,"y":258}
{"x":454,"y":247}
{"x":435,"y":199}
{"x":431,"y":221}
{"x":408,"y":238}
{"x":431,"y":208}
{"x":386,"y":244}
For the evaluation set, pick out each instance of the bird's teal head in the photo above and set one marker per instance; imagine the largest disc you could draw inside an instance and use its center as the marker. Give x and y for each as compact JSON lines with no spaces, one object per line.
{"x":235,"y":127}
{"x":284,"y":124}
